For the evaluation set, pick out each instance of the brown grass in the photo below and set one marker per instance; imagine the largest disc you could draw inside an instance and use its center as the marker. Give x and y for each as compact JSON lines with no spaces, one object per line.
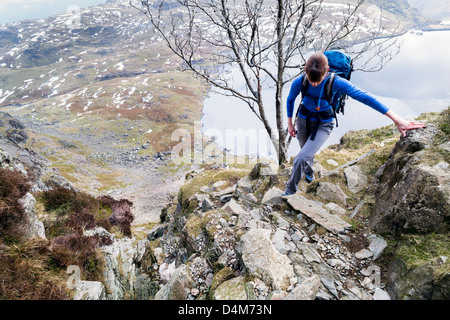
{"x":13,"y":186}
{"x":25,"y":273}
{"x":35,"y":269}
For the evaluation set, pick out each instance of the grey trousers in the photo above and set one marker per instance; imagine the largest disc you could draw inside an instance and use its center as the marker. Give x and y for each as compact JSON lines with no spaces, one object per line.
{"x":303,"y":162}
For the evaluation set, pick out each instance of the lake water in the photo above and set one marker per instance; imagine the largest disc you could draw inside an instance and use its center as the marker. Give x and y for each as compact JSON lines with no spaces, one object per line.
{"x":417,"y":80}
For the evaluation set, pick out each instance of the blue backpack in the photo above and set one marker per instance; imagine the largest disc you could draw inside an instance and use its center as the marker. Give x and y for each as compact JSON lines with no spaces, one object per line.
{"x":340,"y":64}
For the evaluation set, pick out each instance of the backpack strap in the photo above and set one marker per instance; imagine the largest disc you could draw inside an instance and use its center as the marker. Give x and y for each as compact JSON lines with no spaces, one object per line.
{"x":305,"y":85}
{"x":329,"y":87}
{"x":329,"y":94}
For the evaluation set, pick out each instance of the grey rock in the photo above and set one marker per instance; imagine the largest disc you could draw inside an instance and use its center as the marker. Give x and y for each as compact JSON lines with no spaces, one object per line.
{"x":279,"y":220}
{"x":7,"y":161}
{"x":411,"y":195}
{"x":331,"y":192}
{"x":332,"y":162}
{"x":356,"y":180}
{"x":357,"y":291}
{"x":101,"y":232}
{"x":245,"y":184}
{"x":226,"y":198}
{"x":344,"y":238}
{"x":418,"y":283}
{"x":380,"y":294}
{"x":273,"y":196}
{"x":178,"y":287}
{"x":90,"y":290}
{"x":309,"y":253}
{"x":277,"y":295}
{"x":336,"y":263}
{"x":207,"y":205}
{"x":318,"y":213}
{"x":33,"y":227}
{"x":156,"y":232}
{"x":144,"y":288}
{"x":279,"y":241}
{"x":262,"y":170}
{"x":226,"y":191}
{"x":260,"y":257}
{"x":307,"y":290}
{"x":336,"y":209}
{"x":329,"y":284}
{"x":205,"y":189}
{"x":120,"y":269}
{"x":218,"y":184}
{"x":377,"y":245}
{"x":364,"y":254}
{"x":445,"y":146}
{"x":251,"y":198}
{"x":232,"y":207}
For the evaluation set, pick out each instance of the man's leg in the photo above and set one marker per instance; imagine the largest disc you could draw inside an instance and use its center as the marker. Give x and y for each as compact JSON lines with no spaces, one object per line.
{"x":304,"y":160}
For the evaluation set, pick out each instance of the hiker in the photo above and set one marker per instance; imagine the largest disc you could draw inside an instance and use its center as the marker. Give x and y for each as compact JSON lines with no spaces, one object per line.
{"x":315,"y":117}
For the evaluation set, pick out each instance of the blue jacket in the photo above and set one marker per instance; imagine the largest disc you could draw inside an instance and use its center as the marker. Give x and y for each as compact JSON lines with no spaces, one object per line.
{"x":340,"y":85}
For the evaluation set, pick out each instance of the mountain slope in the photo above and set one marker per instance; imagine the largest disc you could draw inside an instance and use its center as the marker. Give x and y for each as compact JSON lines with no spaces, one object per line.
{"x":100,"y":96}
{"x":99,"y":99}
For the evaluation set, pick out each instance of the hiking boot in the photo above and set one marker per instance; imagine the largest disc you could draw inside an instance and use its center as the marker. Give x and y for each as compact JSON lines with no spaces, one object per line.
{"x":309,"y":177}
{"x":288,"y":193}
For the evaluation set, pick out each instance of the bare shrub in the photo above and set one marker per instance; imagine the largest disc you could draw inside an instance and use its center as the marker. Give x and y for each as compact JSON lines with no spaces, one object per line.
{"x":121,"y":215}
{"x":66,"y":201}
{"x":81,"y":220}
{"x":77,"y":249}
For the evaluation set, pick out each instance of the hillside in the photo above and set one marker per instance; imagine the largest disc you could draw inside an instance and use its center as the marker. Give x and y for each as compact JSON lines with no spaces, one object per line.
{"x":88,"y":106}
{"x":373,"y":226}
{"x":436,"y":9}
{"x":100,"y":100}
{"x":100,"y":96}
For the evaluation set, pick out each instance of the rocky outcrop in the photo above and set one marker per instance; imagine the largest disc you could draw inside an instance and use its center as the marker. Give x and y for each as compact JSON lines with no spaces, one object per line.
{"x":14,"y":155}
{"x":413,"y":195}
{"x":250,"y":248}
{"x":423,"y":282}
{"x":178,"y":287}
{"x":324,"y":242}
{"x":349,"y":235}
{"x":33,"y":227}
{"x":125,"y":272}
{"x":412,"y":192}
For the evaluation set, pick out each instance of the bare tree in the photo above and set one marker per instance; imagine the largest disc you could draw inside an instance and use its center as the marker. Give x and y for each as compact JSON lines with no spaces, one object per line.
{"x":267,"y":41}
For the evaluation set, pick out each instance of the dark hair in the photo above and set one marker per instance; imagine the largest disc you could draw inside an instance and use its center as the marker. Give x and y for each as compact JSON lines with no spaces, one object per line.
{"x":316,"y":66}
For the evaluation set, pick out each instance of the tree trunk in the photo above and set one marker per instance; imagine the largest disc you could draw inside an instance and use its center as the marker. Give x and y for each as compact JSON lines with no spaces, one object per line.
{"x":279,"y":85}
